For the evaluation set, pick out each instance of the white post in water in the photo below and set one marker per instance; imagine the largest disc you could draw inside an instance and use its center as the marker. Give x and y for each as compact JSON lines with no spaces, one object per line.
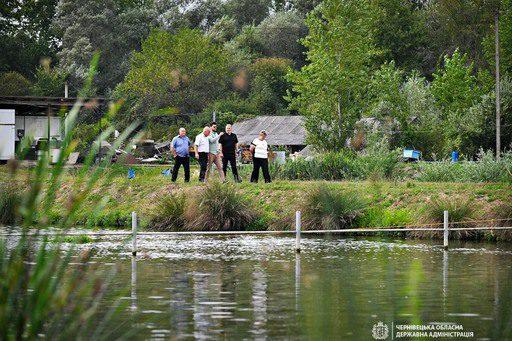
{"x":445,"y":244}
{"x":297,"y":231}
{"x":134,"y":233}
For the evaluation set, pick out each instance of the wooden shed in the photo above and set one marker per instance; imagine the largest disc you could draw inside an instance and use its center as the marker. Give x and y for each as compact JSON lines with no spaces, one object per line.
{"x":282,"y":131}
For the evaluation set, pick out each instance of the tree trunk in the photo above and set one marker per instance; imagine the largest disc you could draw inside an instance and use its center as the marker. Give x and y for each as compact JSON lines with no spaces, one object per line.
{"x":340,"y":122}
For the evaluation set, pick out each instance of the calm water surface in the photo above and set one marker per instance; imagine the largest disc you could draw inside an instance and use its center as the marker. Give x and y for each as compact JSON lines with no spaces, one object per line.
{"x":337,"y":288}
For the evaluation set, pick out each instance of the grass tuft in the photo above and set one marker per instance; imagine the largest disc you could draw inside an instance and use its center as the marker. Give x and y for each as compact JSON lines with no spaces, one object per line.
{"x":326,"y":208}
{"x":220,"y":207}
{"x":168,"y":214}
{"x":10,"y":200}
{"x":460,"y":213}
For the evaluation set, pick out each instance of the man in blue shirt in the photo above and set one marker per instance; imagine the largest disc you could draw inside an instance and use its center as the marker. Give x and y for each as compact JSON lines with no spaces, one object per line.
{"x":180,"y":149}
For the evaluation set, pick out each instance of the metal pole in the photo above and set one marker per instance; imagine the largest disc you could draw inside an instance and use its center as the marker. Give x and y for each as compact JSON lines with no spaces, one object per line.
{"x":445,"y":279}
{"x":48,"y":135}
{"x":445,"y":225}
{"x":134,"y":233}
{"x":497,"y":81}
{"x":297,"y":231}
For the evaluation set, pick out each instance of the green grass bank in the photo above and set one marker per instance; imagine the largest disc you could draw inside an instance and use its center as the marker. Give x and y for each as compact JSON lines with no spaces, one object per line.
{"x":372,"y":203}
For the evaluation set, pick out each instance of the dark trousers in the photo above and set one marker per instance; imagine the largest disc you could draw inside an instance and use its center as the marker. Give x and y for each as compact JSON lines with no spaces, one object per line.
{"x":178,"y":161}
{"x":203,"y":164}
{"x":232,"y":160}
{"x":257,"y":164}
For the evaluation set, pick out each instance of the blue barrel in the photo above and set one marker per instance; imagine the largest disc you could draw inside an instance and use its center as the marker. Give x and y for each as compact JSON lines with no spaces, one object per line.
{"x":455,"y":156}
{"x":131,"y":173}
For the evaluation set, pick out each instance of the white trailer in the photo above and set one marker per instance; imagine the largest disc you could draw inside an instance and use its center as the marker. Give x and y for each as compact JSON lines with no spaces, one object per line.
{"x":7,"y":134}
{"x":36,"y":127}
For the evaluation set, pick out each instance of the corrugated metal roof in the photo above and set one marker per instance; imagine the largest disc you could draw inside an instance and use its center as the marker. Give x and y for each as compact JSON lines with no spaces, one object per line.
{"x":281,"y":130}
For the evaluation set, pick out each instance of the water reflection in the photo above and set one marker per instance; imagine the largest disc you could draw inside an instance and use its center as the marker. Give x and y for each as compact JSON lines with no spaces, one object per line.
{"x":445,"y":279}
{"x":297,"y":281}
{"x":257,"y":287}
{"x":259,"y":302}
{"x":133,"y":295}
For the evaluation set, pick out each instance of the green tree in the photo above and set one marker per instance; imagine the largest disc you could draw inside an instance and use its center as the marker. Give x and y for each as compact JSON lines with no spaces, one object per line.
{"x":248,"y":41}
{"x":456,"y":90}
{"x":386,"y":105}
{"x":424,"y":119}
{"x":248,"y":12}
{"x":304,"y":6}
{"x":401,"y":33}
{"x":26,"y":35}
{"x":385,"y":92}
{"x":14,"y":84}
{"x":455,"y":24}
{"x":223,"y":30}
{"x":104,"y":26}
{"x":174,"y":74}
{"x":485,"y":115}
{"x":505,"y":32}
{"x":279,"y":35}
{"x":177,"y":14}
{"x":48,"y":82}
{"x":329,"y":90}
{"x":455,"y":86}
{"x":268,"y":85}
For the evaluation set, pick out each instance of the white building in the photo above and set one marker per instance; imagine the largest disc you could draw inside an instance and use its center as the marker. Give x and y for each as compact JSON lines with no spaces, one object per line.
{"x":41,"y":118}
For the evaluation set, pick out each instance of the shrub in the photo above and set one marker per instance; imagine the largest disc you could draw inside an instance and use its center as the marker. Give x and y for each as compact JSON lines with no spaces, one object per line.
{"x":169,"y":213}
{"x":380,"y":164}
{"x":341,"y":165}
{"x":503,"y":215}
{"x":326,"y":208}
{"x":10,"y":200}
{"x":460,"y":213}
{"x":14,"y":84}
{"x":485,"y":169}
{"x":220,"y":207}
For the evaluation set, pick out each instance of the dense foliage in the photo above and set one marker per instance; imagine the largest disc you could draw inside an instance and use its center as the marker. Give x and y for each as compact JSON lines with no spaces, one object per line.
{"x":388,"y":165}
{"x":417,"y":74}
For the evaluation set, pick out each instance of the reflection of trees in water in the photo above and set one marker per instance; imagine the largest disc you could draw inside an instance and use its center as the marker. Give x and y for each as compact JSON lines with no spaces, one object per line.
{"x":259,"y":302}
{"x":330,"y":295}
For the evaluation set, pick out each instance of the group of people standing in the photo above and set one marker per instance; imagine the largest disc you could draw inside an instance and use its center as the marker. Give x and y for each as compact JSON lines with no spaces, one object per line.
{"x":220,"y":149}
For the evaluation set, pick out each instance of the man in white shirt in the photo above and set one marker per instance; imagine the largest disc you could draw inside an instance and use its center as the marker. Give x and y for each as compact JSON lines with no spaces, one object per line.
{"x":259,"y":147}
{"x":201,"y":149}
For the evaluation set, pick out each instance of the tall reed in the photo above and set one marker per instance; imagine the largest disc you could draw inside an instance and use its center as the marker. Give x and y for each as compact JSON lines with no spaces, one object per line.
{"x":41,"y":294}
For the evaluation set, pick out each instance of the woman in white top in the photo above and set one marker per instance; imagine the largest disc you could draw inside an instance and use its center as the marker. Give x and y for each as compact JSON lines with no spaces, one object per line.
{"x":259,"y":147}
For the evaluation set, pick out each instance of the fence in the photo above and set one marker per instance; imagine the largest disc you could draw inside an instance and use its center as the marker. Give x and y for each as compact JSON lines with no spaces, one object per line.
{"x":444,"y":227}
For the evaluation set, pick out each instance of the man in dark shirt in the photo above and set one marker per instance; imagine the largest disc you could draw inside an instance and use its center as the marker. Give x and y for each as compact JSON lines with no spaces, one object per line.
{"x":229,"y":146}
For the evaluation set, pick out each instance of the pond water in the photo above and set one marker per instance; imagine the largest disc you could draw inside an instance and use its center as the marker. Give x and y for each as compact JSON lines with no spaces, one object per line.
{"x":256,"y":287}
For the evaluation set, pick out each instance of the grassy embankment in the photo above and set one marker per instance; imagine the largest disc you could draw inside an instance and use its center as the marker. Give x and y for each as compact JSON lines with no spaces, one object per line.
{"x":386,"y":203}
